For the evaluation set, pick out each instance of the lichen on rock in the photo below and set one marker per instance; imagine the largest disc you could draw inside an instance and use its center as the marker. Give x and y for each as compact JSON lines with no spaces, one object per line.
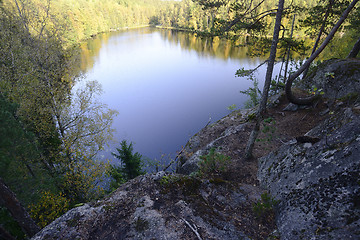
{"x":318,"y":184}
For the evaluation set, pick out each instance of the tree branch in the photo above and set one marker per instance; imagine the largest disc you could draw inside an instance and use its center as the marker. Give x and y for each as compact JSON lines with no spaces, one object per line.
{"x":308,"y":100}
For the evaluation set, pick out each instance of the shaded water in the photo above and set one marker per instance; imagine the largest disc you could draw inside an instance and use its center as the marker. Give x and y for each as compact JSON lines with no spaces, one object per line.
{"x":166,"y":85}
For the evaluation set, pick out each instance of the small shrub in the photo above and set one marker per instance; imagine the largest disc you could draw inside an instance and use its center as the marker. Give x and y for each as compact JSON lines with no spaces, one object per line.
{"x":316,"y":91}
{"x":264,"y":208}
{"x":117,"y":177}
{"x":268,"y":128}
{"x":214,"y":163}
{"x":232,"y":107}
{"x":253,"y":92}
{"x":168,"y":179}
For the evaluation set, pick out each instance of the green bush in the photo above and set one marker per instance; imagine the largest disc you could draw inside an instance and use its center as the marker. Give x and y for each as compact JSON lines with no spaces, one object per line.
{"x":214,"y":163}
{"x":264,"y":208}
{"x":268,"y":128}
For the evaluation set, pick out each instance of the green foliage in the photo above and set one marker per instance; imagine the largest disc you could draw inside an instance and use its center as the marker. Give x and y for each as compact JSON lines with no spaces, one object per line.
{"x":81,"y":19}
{"x":81,"y":177}
{"x":156,"y":165}
{"x":48,"y":137}
{"x":168,"y":179}
{"x":268,"y":129}
{"x":117,"y":177}
{"x":181,"y":184}
{"x":10,"y":224}
{"x":314,"y":90}
{"x":213,"y":164}
{"x":85,"y":124}
{"x":330,"y":74}
{"x":253,"y":92}
{"x":275,"y":85}
{"x":312,"y":22}
{"x":154,"y":21}
{"x":49,"y":207}
{"x":232,"y":107}
{"x":131,"y":162}
{"x":264,"y":208}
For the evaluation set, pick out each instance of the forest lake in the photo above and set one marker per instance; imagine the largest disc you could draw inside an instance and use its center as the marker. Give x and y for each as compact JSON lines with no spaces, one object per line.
{"x":166,"y":85}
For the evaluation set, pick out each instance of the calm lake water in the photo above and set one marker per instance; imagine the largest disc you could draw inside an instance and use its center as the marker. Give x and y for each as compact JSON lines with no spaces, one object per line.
{"x":166,"y":85}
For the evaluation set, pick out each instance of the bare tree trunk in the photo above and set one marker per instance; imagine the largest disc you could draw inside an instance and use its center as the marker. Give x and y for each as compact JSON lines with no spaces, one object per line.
{"x":17,"y":211}
{"x":269,"y":71}
{"x":309,"y":100}
{"x":288,"y":50}
{"x":355,"y":50}
{"x":331,"y":2}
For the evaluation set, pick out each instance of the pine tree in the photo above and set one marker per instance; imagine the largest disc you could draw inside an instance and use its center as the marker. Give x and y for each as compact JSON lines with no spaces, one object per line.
{"x":131,"y":163}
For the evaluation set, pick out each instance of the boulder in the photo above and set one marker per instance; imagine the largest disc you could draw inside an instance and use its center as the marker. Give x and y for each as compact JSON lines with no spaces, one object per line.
{"x":337,"y":78}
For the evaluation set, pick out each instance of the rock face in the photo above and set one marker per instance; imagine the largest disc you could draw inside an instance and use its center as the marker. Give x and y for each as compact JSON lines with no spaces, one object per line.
{"x":212,"y":136}
{"x":318,"y":184}
{"x":163,"y":207}
{"x":338,"y":78}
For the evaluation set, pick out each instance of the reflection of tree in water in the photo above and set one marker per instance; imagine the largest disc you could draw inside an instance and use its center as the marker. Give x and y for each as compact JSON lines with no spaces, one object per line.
{"x":206,"y":46}
{"x":91,"y":48}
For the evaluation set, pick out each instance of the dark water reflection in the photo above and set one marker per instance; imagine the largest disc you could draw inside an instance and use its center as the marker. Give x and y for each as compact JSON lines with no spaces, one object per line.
{"x":165,"y":84}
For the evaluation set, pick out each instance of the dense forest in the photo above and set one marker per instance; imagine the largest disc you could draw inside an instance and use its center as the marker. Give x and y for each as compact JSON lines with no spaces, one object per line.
{"x":51,"y":131}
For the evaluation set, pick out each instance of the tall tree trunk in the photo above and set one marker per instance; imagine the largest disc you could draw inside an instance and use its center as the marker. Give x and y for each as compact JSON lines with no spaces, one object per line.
{"x":355,"y":50}
{"x":331,"y":2}
{"x":288,"y":50}
{"x":308,"y":100}
{"x":17,"y":211}
{"x":269,"y":71}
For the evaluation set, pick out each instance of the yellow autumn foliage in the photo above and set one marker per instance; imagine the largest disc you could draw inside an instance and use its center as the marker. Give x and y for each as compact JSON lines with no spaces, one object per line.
{"x":49,"y":207}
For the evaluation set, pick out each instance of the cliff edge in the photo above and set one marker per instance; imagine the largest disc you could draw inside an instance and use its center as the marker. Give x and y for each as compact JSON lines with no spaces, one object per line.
{"x":308,"y":159}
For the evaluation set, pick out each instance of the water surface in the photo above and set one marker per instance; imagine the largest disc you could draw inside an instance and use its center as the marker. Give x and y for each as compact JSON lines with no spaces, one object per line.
{"x":166,"y":85}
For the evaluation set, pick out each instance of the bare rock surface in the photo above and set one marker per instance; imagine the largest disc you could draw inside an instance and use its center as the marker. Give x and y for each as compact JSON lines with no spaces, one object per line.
{"x":337,"y":78}
{"x":318,"y":184}
{"x":164,"y":207}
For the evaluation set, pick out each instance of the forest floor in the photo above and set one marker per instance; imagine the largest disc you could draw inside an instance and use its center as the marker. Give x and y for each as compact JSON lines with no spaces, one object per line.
{"x":281,"y":127}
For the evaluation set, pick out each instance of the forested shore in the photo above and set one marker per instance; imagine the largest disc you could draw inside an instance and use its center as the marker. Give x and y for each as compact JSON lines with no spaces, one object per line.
{"x":51,"y":132}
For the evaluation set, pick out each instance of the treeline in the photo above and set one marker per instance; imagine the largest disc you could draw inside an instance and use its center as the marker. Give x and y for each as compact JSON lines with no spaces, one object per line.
{"x":190,"y":15}
{"x":211,"y":18}
{"x":80,"y":19}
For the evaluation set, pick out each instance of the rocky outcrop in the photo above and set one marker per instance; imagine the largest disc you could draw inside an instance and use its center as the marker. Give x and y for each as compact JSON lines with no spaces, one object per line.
{"x":315,"y":177}
{"x":161,"y":206}
{"x":222,"y":135}
{"x":337,"y":78}
{"x":318,"y":183}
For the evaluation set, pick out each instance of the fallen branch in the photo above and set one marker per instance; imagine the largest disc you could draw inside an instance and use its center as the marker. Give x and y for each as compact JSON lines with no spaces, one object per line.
{"x":193,"y":229}
{"x":173,"y":161}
